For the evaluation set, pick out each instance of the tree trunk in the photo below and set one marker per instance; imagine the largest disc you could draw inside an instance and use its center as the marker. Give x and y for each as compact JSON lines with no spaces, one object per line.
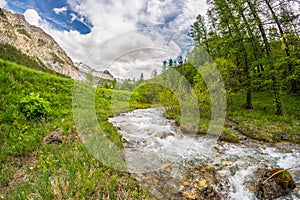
{"x":254,"y":46}
{"x":275,"y":84}
{"x":286,"y":44}
{"x":243,"y":49}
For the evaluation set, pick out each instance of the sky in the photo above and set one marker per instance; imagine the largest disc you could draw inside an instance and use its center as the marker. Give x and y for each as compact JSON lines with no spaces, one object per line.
{"x":127,"y":37}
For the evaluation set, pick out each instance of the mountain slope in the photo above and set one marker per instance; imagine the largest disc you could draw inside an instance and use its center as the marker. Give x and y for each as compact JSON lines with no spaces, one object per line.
{"x":33,"y":41}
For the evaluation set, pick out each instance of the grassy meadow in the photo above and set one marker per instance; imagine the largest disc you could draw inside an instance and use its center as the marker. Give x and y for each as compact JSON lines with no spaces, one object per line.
{"x":31,"y":168}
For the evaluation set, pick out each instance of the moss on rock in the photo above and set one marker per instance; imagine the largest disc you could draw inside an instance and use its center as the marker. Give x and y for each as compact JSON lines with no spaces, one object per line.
{"x":278,"y":185}
{"x":229,"y":136}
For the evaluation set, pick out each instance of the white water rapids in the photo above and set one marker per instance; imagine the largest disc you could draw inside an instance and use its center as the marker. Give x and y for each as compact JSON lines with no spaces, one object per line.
{"x":159,"y":156}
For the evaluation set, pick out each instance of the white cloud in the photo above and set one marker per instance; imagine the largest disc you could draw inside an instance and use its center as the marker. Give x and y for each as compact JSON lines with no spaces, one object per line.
{"x":157,"y":11}
{"x":60,"y":10}
{"x":74,"y":17}
{"x":3,"y":4}
{"x":116,"y":43}
{"x":33,"y":17}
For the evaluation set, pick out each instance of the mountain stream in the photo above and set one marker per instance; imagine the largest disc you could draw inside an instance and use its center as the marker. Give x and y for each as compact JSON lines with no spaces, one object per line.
{"x":174,"y":165}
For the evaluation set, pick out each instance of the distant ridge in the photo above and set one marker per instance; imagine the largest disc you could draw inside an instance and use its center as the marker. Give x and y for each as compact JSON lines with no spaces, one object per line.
{"x":85,"y":70}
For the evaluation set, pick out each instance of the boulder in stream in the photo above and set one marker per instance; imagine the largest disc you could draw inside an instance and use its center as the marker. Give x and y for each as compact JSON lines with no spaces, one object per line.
{"x":275,"y":183}
{"x":202,"y":184}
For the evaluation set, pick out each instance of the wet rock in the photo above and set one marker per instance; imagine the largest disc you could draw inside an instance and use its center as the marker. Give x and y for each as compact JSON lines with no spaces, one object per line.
{"x":55,"y":137}
{"x":217,"y":147}
{"x":200,"y":184}
{"x":154,"y":135}
{"x":277,"y":186}
{"x":125,"y":140}
{"x":165,"y":167}
{"x":227,"y":163}
{"x":181,"y":188}
{"x":193,"y":194}
{"x":155,"y":181}
{"x":165,"y":135}
{"x":209,"y":168}
{"x":186,"y":182}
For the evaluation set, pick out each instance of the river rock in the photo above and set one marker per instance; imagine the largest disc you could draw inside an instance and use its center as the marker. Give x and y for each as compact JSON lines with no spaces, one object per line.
{"x":200,"y":184}
{"x":227,"y":163}
{"x":181,"y":188}
{"x":279,"y":185}
{"x":165,"y":167}
{"x":209,"y":168}
{"x":193,"y":194}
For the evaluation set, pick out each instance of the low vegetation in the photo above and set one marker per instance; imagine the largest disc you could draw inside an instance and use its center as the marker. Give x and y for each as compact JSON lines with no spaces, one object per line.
{"x":262,"y":123}
{"x":34,"y":105}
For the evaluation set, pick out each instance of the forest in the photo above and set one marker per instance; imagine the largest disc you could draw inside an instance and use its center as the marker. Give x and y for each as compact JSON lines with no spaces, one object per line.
{"x":258,"y":41}
{"x":255,"y":48}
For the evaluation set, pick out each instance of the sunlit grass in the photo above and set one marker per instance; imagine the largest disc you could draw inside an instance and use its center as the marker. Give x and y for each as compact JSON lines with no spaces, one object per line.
{"x":261,"y":122}
{"x":33,"y":169}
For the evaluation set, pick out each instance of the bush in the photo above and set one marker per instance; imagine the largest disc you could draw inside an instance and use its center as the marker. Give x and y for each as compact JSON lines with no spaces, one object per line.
{"x":34,"y":107}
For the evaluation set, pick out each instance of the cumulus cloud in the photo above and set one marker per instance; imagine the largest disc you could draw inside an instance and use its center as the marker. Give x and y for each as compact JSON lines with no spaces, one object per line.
{"x":60,"y":10}
{"x":3,"y":3}
{"x":160,"y":12}
{"x":33,"y":17}
{"x":120,"y":39}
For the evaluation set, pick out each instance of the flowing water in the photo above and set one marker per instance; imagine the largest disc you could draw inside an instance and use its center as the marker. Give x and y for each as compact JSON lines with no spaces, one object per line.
{"x":174,"y":165}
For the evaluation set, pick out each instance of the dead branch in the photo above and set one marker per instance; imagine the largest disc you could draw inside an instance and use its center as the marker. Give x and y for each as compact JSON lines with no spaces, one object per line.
{"x":278,"y":172}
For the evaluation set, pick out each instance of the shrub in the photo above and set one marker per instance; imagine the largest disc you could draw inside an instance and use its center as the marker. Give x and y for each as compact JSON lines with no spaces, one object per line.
{"x":34,"y":107}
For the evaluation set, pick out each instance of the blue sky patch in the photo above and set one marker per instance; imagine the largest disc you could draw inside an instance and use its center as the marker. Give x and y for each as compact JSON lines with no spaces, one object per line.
{"x":61,"y":21}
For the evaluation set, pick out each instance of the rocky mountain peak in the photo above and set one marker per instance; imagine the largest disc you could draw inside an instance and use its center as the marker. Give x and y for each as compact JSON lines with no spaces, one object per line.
{"x":33,"y":41}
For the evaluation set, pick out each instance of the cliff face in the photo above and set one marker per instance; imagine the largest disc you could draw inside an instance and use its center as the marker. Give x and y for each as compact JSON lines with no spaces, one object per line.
{"x":16,"y":31}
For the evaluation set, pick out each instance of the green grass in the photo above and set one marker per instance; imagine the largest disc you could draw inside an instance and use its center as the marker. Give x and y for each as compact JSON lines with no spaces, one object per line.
{"x":261,"y":123}
{"x":33,"y":169}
